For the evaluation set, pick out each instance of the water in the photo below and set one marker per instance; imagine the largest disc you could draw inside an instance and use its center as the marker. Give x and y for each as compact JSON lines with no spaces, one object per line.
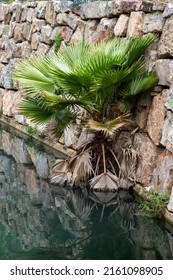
{"x":40,"y":221}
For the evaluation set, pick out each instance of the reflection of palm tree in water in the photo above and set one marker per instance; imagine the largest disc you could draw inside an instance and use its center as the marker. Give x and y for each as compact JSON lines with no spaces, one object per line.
{"x":74,"y":211}
{"x":111,"y":218}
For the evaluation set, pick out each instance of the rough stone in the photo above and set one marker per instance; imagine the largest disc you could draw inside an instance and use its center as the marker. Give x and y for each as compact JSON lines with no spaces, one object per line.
{"x":18,"y":33}
{"x":3,"y":42}
{"x":120,"y":28}
{"x":2,"y":66}
{"x":9,"y":48}
{"x":42,"y":49}
{"x":11,"y":29}
{"x":168,"y":10}
{"x":17,"y":12}
{"x":11,"y":100}
{"x":101,"y":9}
{"x":65,"y":32}
{"x":157,"y":112}
{"x":4,"y":30}
{"x":20,"y":119}
{"x":170,"y":98}
{"x":141,"y":117}
{"x":166,"y":75}
{"x":151,"y":57}
{"x":6,"y":80}
{"x":50,"y":14}
{"x":6,"y":142}
{"x":35,"y":39}
{"x":46,"y":32}
{"x":163,"y":173}
{"x":26,"y":31}
{"x":31,"y":14}
{"x":165,"y":45}
{"x":37,"y":24}
{"x":61,"y":19}
{"x":65,"y":6}
{"x":24,"y":14}
{"x":79,"y":33}
{"x":31,"y":183}
{"x":153,"y":22}
{"x":25,"y":48}
{"x":41,"y":10}
{"x":2,"y":92}
{"x":159,"y":6}
{"x":147,"y":6}
{"x":167,"y":133}
{"x":89,"y":30}
{"x":19,"y":151}
{"x":170,"y":204}
{"x":72,"y":20}
{"x":41,"y":165}
{"x":135,"y":24}
{"x":2,"y":11}
{"x":130,"y":5}
{"x":105,"y":30}
{"x":148,"y":153}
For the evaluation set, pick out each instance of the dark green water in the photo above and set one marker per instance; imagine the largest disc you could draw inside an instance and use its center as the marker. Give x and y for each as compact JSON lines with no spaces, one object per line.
{"x":40,"y":221}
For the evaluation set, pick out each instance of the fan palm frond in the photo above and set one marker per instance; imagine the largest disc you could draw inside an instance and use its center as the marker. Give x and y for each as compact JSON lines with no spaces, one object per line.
{"x":108,"y":80}
{"x":105,"y":181}
{"x":61,"y":173}
{"x":140,"y":84}
{"x":60,"y":103}
{"x":109,"y":127}
{"x":35,"y":111}
{"x":74,"y":54}
{"x":34,"y":76}
{"x":138,"y":46}
{"x":61,"y":178}
{"x":81,"y":167}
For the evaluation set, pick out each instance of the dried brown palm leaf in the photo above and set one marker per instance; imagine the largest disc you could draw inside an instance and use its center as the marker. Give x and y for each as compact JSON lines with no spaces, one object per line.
{"x":129,"y":163}
{"x":61,"y":173}
{"x":110,"y":127}
{"x":81,"y":167}
{"x":80,"y":208}
{"x":105,"y":181}
{"x":60,"y":165}
{"x":61,"y":178}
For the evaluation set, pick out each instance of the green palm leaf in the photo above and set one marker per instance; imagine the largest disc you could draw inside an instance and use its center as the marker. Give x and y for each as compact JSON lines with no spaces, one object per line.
{"x":59,"y":102}
{"x":33,"y":76}
{"x":74,"y":54}
{"x":138,"y":47}
{"x":32,"y":109}
{"x":108,"y":80}
{"x":140,"y":84}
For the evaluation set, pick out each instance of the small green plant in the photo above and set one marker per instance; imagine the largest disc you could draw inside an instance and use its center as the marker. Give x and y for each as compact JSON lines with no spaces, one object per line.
{"x":31,"y":130}
{"x":57,"y":42}
{"x":34,"y":131}
{"x":156,"y":204}
{"x":37,"y":148}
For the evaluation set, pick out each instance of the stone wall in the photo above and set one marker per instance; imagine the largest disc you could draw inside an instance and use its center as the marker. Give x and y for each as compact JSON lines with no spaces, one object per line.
{"x":29,"y":29}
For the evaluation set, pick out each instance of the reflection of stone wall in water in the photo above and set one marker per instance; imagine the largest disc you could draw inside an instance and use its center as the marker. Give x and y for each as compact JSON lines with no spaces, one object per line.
{"x":26,"y":203}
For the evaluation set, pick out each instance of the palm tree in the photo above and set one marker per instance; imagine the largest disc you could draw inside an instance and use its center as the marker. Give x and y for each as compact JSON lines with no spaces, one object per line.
{"x":104,"y":80}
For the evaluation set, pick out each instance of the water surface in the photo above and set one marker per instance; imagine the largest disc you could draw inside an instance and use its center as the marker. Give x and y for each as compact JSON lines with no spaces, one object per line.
{"x":43,"y":221}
